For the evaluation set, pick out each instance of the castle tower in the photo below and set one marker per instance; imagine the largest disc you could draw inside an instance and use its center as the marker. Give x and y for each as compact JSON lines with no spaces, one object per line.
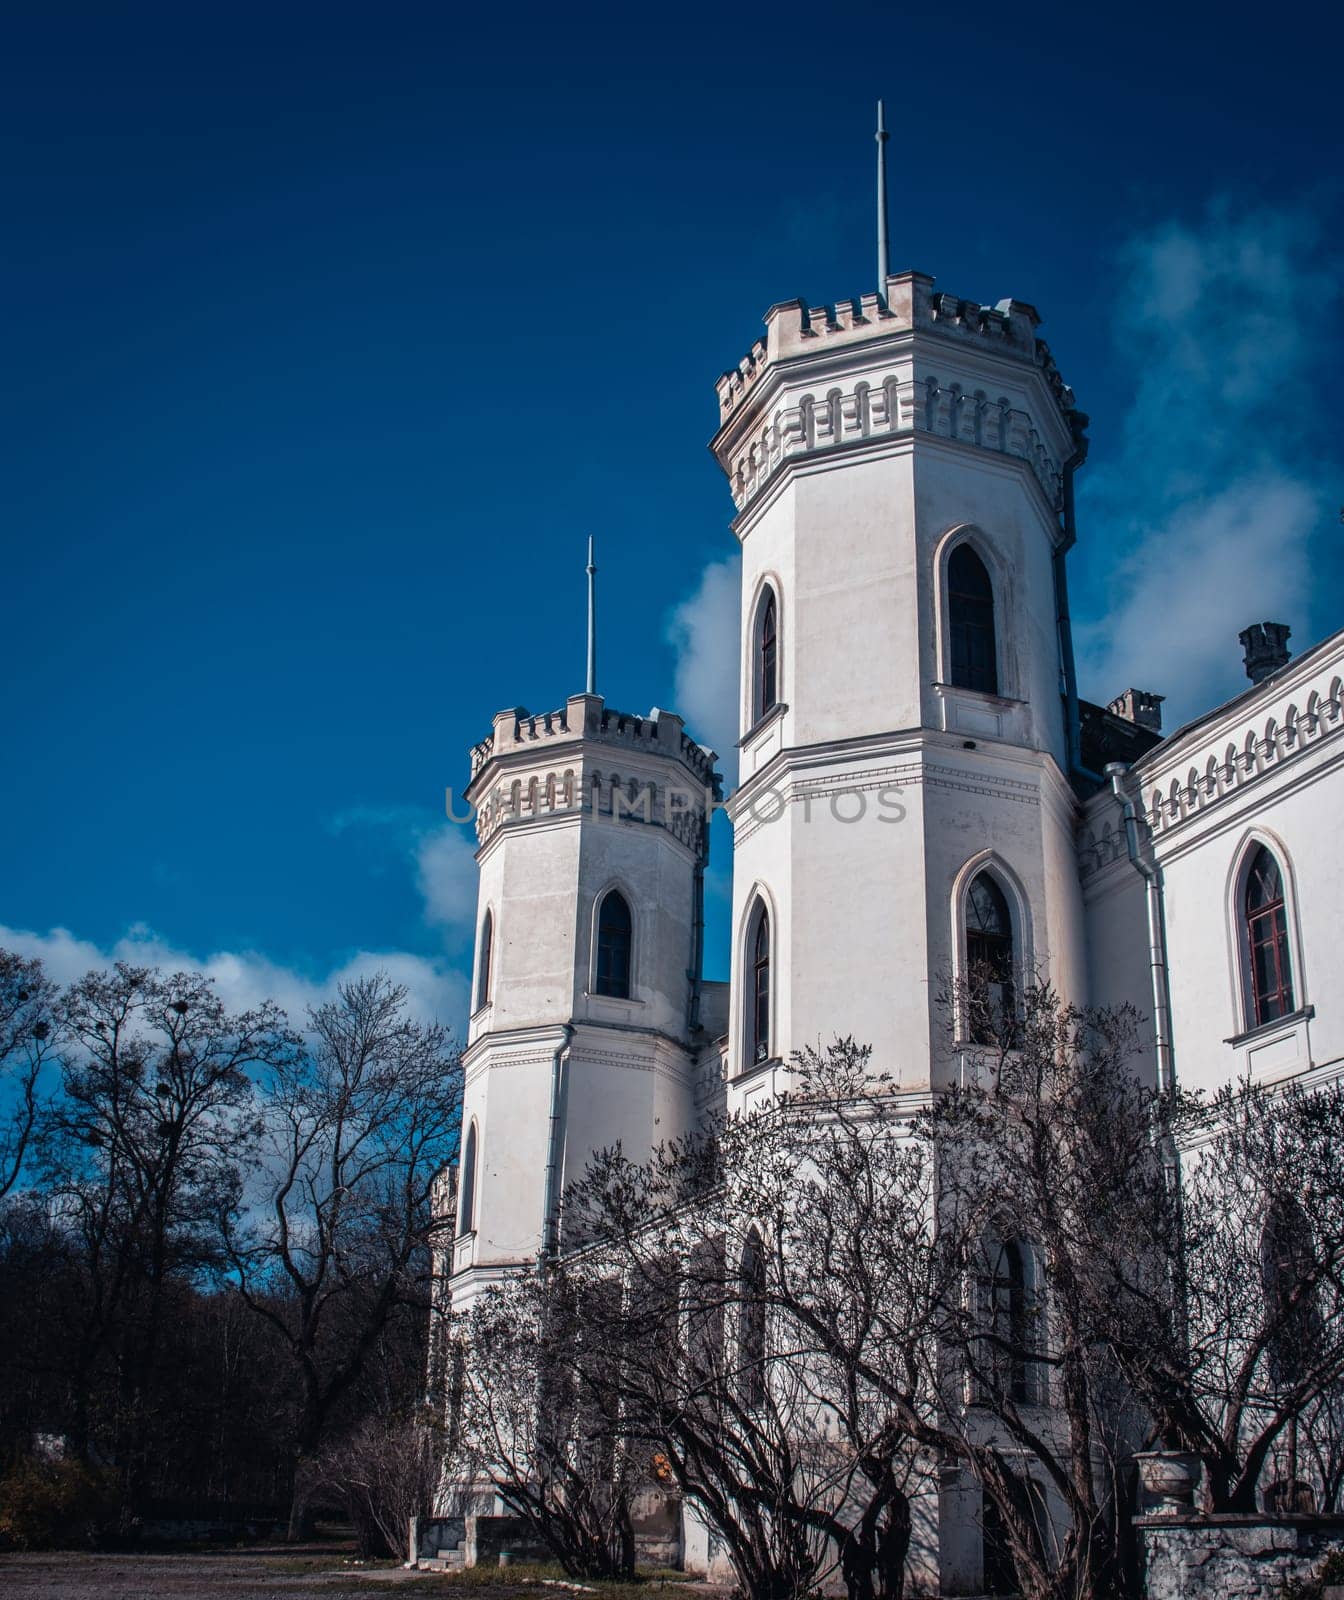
{"x":901,"y":470}
{"x":592,"y":829}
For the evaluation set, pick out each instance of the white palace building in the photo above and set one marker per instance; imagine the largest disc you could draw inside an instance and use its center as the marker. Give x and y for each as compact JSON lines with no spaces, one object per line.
{"x":912,"y":740}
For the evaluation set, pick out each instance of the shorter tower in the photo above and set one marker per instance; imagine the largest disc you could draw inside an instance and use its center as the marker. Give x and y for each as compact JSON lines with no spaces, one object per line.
{"x":593,"y":831}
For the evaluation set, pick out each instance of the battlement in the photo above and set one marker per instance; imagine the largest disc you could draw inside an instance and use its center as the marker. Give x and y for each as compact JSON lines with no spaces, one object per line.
{"x":793,"y":328}
{"x":587,"y":718}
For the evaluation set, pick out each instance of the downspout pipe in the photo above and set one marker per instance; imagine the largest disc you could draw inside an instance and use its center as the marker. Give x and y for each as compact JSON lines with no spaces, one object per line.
{"x":697,"y":944}
{"x":1063,"y":620}
{"x":1116,"y":772}
{"x":1168,"y":1153}
{"x":550,"y":1228}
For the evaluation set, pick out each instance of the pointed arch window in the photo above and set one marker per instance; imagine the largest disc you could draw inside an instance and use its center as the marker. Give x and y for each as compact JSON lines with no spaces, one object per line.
{"x":989,"y":961}
{"x":485,"y":960}
{"x":1290,"y":1274}
{"x":766,"y":673}
{"x":758,"y":1020}
{"x":972,"y":652}
{"x":466,"y":1206}
{"x":1010,"y":1290}
{"x":1265,"y":917}
{"x":751,"y":1322}
{"x":614,"y":932}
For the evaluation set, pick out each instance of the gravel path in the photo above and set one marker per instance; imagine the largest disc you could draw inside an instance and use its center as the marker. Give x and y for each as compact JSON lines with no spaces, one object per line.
{"x":274,"y":1574}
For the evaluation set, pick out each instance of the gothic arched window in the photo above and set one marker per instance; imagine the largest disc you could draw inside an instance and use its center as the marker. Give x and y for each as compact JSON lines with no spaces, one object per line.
{"x":989,"y":961}
{"x":484,"y":960}
{"x":1010,"y":1291}
{"x":972,"y":652}
{"x":466,"y":1206}
{"x":1290,"y":1273}
{"x":1269,"y":972}
{"x":612,"y":975}
{"x":751,"y":1322}
{"x":758,"y":989}
{"x":766,"y":670}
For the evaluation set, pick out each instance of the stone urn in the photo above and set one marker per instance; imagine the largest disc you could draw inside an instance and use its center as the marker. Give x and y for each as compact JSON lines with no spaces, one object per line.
{"x":1169,"y":1476}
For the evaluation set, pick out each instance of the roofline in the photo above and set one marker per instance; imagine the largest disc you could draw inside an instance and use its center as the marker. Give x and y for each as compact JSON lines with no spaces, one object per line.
{"x":1159,"y":752}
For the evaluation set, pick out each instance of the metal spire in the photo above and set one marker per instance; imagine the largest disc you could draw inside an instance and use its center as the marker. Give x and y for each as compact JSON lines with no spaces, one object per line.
{"x":592,"y":621}
{"x":882,"y":263}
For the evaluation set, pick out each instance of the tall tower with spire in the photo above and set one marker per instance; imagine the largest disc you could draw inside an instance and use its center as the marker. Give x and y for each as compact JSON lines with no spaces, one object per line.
{"x":592,"y":829}
{"x":900,"y":465}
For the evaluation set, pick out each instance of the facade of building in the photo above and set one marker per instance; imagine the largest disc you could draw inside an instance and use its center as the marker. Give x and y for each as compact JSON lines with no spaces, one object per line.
{"x":921,"y":788}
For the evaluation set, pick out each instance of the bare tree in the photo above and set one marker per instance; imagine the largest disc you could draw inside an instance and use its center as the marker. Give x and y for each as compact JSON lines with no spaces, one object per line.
{"x":139,"y":1153}
{"x":768,"y":1362}
{"x":530,"y":1420}
{"x":386,"y":1470}
{"x":1249,"y":1343}
{"x":337,"y":1241}
{"x":1045,"y":1145}
{"x":28,"y":1035}
{"x":848,"y":1242}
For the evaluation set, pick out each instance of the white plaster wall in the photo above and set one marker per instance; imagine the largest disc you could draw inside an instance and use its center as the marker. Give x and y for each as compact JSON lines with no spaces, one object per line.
{"x":862,"y":911}
{"x":1301,"y":824}
{"x":1235,"y":777}
{"x":656,"y":875}
{"x":1001,"y":499}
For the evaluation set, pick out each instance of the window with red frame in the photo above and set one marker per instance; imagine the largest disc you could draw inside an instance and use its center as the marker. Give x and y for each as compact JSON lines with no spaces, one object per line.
{"x":1271,"y":977}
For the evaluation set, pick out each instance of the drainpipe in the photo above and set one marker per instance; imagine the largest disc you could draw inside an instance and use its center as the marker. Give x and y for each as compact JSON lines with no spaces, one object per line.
{"x":1063,"y":621}
{"x":697,"y":944}
{"x":1157,"y":934}
{"x":550,"y":1230}
{"x":1170,"y":1156}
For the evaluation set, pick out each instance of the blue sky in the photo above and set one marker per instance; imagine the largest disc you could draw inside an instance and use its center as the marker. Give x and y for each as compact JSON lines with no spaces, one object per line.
{"x":332,"y":331}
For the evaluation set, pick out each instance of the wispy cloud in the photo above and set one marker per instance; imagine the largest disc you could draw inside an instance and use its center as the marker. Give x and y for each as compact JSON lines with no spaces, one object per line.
{"x":441,"y":855}
{"x":1216,"y":500}
{"x":703,"y":630}
{"x":438,"y":855}
{"x":245,"y":978}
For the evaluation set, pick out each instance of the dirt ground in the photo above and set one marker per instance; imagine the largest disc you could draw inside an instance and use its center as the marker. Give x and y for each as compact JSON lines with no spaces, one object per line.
{"x":280,"y":1573}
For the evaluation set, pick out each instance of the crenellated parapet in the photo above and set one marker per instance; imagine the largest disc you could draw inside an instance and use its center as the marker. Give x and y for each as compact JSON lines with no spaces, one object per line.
{"x":918,"y":362}
{"x":588,"y":757}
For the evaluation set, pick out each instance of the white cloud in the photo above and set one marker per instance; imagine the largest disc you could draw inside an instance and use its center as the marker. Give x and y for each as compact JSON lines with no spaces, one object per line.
{"x":703,"y":630}
{"x":246,"y":978}
{"x":1207,"y":511}
{"x":442,"y":856}
{"x":446,"y":876}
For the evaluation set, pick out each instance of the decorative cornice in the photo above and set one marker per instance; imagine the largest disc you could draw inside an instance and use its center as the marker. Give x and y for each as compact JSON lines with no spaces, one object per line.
{"x":749,"y":816}
{"x":899,"y":404}
{"x":1221,"y":768}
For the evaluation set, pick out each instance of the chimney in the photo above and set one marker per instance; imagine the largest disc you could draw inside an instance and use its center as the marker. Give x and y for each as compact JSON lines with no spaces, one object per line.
{"x":1138,"y":706}
{"x":1266,"y":647}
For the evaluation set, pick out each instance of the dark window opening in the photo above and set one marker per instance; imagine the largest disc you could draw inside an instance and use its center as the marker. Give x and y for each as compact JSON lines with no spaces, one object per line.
{"x":989,"y":962}
{"x":1271,"y":978}
{"x":973,"y":660}
{"x":466,"y":1211}
{"x":483,"y":965}
{"x":759,"y":1039}
{"x":1012,"y":1320}
{"x":613,"y":946}
{"x":767,"y":658}
{"x":751,"y":1323}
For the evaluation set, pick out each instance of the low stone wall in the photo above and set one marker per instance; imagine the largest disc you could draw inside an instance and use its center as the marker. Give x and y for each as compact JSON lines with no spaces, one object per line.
{"x":433,"y":1537}
{"x":1193,"y":1557}
{"x":490,"y":1537}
